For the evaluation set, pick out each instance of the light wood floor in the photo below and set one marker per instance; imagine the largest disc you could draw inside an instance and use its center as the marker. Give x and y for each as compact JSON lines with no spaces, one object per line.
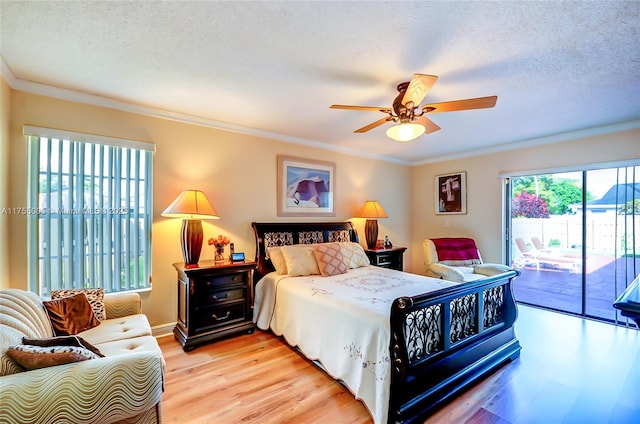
{"x":570,"y":371}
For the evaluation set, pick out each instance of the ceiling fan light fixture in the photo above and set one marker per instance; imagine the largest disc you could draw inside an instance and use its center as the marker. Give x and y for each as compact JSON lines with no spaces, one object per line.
{"x":405,"y":132}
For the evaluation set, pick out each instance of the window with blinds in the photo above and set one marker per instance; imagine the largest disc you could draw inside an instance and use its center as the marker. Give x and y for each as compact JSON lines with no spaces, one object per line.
{"x":89,"y":212}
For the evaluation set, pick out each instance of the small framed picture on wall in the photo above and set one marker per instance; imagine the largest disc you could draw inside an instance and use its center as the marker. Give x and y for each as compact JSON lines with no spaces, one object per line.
{"x":451,"y":193}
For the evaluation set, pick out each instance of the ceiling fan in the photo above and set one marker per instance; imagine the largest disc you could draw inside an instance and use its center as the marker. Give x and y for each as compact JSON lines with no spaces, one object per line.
{"x":409,"y":115}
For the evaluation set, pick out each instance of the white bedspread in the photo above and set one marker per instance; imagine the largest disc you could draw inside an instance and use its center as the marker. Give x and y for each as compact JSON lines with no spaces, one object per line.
{"x":343,"y":322}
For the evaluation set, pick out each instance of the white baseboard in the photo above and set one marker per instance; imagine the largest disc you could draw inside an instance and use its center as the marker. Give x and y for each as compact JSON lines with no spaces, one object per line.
{"x":163,"y":330}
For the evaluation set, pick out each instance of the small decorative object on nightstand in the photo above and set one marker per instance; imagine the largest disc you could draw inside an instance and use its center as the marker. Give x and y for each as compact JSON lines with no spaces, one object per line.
{"x":214,"y":300}
{"x":387,"y":258}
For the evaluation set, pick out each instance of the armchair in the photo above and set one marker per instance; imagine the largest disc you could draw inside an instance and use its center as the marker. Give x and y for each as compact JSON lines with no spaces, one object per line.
{"x":457,"y":259}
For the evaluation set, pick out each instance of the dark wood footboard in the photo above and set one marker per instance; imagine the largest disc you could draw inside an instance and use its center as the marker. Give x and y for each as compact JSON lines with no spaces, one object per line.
{"x":444,"y":341}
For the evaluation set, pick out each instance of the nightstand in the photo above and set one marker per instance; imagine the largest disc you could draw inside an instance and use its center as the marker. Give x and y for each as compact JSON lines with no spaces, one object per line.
{"x":214,"y":301}
{"x":386,"y":258}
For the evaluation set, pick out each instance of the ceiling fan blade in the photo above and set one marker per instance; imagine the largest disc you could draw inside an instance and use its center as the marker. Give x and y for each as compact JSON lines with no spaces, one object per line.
{"x":373,"y":108}
{"x":427,"y":123}
{"x":373,"y":125}
{"x":418,"y":88}
{"x":455,"y":105}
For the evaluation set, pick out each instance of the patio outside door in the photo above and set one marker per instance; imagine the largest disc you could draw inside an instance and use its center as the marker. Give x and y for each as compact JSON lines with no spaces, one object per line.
{"x":575,"y":237}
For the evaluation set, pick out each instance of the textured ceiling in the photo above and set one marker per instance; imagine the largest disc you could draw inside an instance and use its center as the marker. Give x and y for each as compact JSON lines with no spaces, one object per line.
{"x":274,"y":68}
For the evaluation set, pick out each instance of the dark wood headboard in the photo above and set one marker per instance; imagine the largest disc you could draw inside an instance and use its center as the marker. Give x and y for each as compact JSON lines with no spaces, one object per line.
{"x":286,"y":233}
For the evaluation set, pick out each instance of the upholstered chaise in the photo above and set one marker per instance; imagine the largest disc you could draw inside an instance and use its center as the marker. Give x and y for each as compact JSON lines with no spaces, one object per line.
{"x":124,"y":386}
{"x":457,"y":259}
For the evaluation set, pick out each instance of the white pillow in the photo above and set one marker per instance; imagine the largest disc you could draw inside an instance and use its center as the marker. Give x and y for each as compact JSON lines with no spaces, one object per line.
{"x":353,"y":254}
{"x":277,"y":259}
{"x":300,"y":260}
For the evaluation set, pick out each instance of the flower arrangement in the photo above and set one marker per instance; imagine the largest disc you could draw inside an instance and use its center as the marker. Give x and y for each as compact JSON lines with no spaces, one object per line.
{"x":219,"y":244}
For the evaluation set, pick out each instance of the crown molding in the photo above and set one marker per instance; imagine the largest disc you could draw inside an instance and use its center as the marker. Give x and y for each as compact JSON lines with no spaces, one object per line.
{"x":538,"y":141}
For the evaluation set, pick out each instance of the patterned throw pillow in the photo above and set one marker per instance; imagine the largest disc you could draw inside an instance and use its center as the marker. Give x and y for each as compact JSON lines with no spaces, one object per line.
{"x":70,"y":315}
{"x":354,"y":255}
{"x":63,"y":341}
{"x":94,"y":296}
{"x":329,"y":259}
{"x":34,"y":357}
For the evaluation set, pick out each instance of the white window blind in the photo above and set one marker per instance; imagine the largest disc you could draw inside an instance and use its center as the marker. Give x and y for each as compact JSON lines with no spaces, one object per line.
{"x":89,"y":211}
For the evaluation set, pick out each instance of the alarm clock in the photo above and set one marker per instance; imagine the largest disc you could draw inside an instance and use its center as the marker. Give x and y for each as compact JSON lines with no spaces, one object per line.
{"x":237,"y":257}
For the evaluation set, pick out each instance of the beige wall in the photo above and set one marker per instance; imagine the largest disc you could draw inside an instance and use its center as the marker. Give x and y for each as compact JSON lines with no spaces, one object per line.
{"x":484,"y":220}
{"x":237,"y":173}
{"x":5,"y":100}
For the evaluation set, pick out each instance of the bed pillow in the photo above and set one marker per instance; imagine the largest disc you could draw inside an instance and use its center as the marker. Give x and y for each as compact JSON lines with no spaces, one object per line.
{"x":353,"y":254}
{"x":300,"y":260}
{"x":34,"y":357}
{"x":277,"y":259}
{"x":70,"y":315}
{"x":94,"y":296}
{"x":329,"y":259}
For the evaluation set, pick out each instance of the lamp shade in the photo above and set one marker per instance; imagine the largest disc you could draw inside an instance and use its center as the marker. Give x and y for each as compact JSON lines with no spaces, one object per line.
{"x":191,"y":204}
{"x":405,"y":131}
{"x":372,"y":209}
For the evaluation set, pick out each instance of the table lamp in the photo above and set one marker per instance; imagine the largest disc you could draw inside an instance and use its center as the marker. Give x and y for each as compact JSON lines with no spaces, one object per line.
{"x":191,"y":206}
{"x":371,"y":209}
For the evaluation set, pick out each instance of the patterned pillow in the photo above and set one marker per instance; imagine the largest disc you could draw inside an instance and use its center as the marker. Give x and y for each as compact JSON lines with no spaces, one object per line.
{"x":329,"y":259}
{"x":277,"y":259}
{"x":94,"y":296}
{"x":353,"y":254}
{"x":300,"y":260}
{"x":70,"y":315}
{"x":34,"y":357}
{"x":63,"y":341}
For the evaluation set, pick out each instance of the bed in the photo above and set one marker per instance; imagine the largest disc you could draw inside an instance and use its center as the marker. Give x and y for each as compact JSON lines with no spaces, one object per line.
{"x":402,"y":343}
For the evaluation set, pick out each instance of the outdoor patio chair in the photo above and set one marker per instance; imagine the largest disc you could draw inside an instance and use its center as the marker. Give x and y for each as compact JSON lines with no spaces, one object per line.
{"x":457,"y":259}
{"x":547,"y":259}
{"x":538,"y":245}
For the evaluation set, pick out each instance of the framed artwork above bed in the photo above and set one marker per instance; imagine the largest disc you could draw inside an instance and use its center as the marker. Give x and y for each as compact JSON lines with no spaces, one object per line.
{"x":451,"y":193}
{"x":306,"y":187}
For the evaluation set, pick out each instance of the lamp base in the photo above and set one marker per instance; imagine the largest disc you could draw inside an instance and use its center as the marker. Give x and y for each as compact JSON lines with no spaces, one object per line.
{"x":191,"y":240}
{"x":371,"y":232}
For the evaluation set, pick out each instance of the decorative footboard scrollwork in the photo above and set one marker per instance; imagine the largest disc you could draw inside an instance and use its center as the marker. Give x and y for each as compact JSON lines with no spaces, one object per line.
{"x":443,"y":341}
{"x":424,"y":332}
{"x":464,"y":311}
{"x":493,"y":300}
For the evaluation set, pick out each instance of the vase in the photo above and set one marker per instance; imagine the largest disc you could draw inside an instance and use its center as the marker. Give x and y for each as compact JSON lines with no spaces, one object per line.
{"x":219,"y":257}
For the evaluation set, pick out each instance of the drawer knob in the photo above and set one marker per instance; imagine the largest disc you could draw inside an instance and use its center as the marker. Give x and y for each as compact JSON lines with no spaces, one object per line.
{"x":214,"y":316}
{"x":216,"y":298}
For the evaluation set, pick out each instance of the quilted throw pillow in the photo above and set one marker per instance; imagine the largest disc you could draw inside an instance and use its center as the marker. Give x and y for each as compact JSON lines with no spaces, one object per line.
{"x":354,"y":255}
{"x":94,"y":296}
{"x":70,"y":315}
{"x":330,"y":260}
{"x":34,"y":357}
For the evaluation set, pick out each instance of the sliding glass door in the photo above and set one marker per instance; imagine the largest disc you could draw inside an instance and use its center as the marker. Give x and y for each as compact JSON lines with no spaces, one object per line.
{"x":575,"y":237}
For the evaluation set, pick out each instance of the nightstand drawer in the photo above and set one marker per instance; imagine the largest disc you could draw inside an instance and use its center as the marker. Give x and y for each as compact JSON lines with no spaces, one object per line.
{"x":386,"y":258}
{"x":220,"y":297}
{"x":215,"y":282}
{"x":218,"y":316}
